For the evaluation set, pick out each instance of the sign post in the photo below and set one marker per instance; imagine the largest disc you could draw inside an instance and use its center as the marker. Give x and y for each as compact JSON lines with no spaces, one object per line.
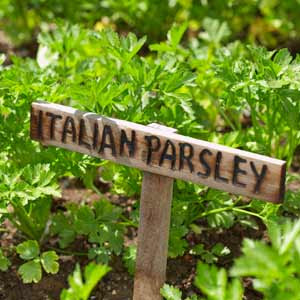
{"x":153,"y":236}
{"x":163,"y":155}
{"x":153,"y":233}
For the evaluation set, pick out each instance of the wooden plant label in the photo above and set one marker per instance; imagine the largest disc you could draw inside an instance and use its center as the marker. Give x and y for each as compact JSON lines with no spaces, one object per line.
{"x":159,"y":151}
{"x":163,"y":155}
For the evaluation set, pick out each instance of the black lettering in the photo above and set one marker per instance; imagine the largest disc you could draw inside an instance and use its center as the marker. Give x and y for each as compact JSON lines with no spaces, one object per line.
{"x":218,"y":177}
{"x":183,"y":157}
{"x":107,"y":132}
{"x":165,"y":155}
{"x":130,"y":144}
{"x":151,"y":149}
{"x":95,"y":135}
{"x":82,"y":133}
{"x":69,"y":121}
{"x":259,"y":177}
{"x":237,"y":170}
{"x":204,"y":163}
{"x":53,"y":117}
{"x":40,"y":125}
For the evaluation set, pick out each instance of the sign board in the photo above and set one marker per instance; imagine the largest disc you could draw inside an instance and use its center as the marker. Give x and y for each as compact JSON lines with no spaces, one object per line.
{"x":162,"y":155}
{"x":159,"y":151}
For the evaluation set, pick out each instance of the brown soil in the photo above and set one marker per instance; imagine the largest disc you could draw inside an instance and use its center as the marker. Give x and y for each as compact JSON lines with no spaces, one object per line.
{"x":118,"y":284}
{"x":25,"y":50}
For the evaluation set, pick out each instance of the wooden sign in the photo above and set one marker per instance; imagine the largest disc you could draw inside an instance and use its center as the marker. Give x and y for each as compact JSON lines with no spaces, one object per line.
{"x":159,"y":151}
{"x":163,"y":155}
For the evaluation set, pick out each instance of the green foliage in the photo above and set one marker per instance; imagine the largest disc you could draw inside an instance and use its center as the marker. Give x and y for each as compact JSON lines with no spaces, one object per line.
{"x":211,"y":256}
{"x":263,"y":83}
{"x":214,"y":283}
{"x":48,"y":260}
{"x":275,"y":267}
{"x":182,"y":87}
{"x":21,"y":188}
{"x":216,"y":200}
{"x":63,"y":226}
{"x":170,"y":292}
{"x":28,"y":184}
{"x":199,"y":80}
{"x":81,"y":285}
{"x":100,"y":224}
{"x":215,"y":32}
{"x":129,"y":258}
{"x":4,"y":261}
{"x":31,"y":271}
{"x":271,"y":23}
{"x":177,"y":243}
{"x":28,"y":250}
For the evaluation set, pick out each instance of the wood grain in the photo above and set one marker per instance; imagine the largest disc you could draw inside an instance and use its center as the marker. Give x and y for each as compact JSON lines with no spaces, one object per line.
{"x":153,"y":233}
{"x":153,"y":236}
{"x":159,"y":152}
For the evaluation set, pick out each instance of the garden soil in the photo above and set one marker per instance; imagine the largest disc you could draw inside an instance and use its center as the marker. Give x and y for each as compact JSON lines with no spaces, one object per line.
{"x":118,"y":283}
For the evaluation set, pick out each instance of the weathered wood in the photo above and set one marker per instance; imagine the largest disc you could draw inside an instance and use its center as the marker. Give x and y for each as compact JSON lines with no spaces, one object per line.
{"x":158,"y":152}
{"x":153,"y":236}
{"x":153,"y":233}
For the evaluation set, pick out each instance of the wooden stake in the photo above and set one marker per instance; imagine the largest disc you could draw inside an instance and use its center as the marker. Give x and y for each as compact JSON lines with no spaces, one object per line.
{"x":162,"y":155}
{"x":153,"y":234}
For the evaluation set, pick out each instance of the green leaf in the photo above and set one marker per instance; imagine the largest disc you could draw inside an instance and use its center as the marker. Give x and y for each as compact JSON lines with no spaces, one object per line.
{"x":45,"y":56}
{"x":235,"y":290}
{"x":215,"y":32}
{"x":92,"y":274}
{"x":31,"y":271}
{"x":79,"y":289}
{"x":283,"y":237}
{"x":220,"y":250}
{"x":214,"y":283}
{"x":40,"y":213}
{"x":28,"y":250}
{"x":106,"y":212}
{"x":170,"y":292}
{"x":259,"y":260}
{"x":175,"y":34}
{"x":211,"y":281}
{"x":66,"y":237}
{"x":109,"y":233}
{"x":275,"y":267}
{"x":4,"y":261}
{"x":218,"y":199}
{"x":129,"y":258}
{"x":175,"y":81}
{"x":283,"y":57}
{"x":49,"y":262}
{"x":135,"y":45}
{"x":76,"y":284}
{"x":63,"y":225}
{"x":101,"y":254}
{"x":2,"y":58}
{"x":177,"y":244}
{"x":85,"y":222}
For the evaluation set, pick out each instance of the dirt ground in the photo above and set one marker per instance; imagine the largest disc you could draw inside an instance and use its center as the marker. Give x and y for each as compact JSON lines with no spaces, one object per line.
{"x":117,"y":284}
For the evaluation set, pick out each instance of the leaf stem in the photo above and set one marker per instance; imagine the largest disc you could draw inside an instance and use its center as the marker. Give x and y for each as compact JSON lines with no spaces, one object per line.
{"x":26,"y":225}
{"x":239,"y":209}
{"x":68,"y":252}
{"x":128,"y":222}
